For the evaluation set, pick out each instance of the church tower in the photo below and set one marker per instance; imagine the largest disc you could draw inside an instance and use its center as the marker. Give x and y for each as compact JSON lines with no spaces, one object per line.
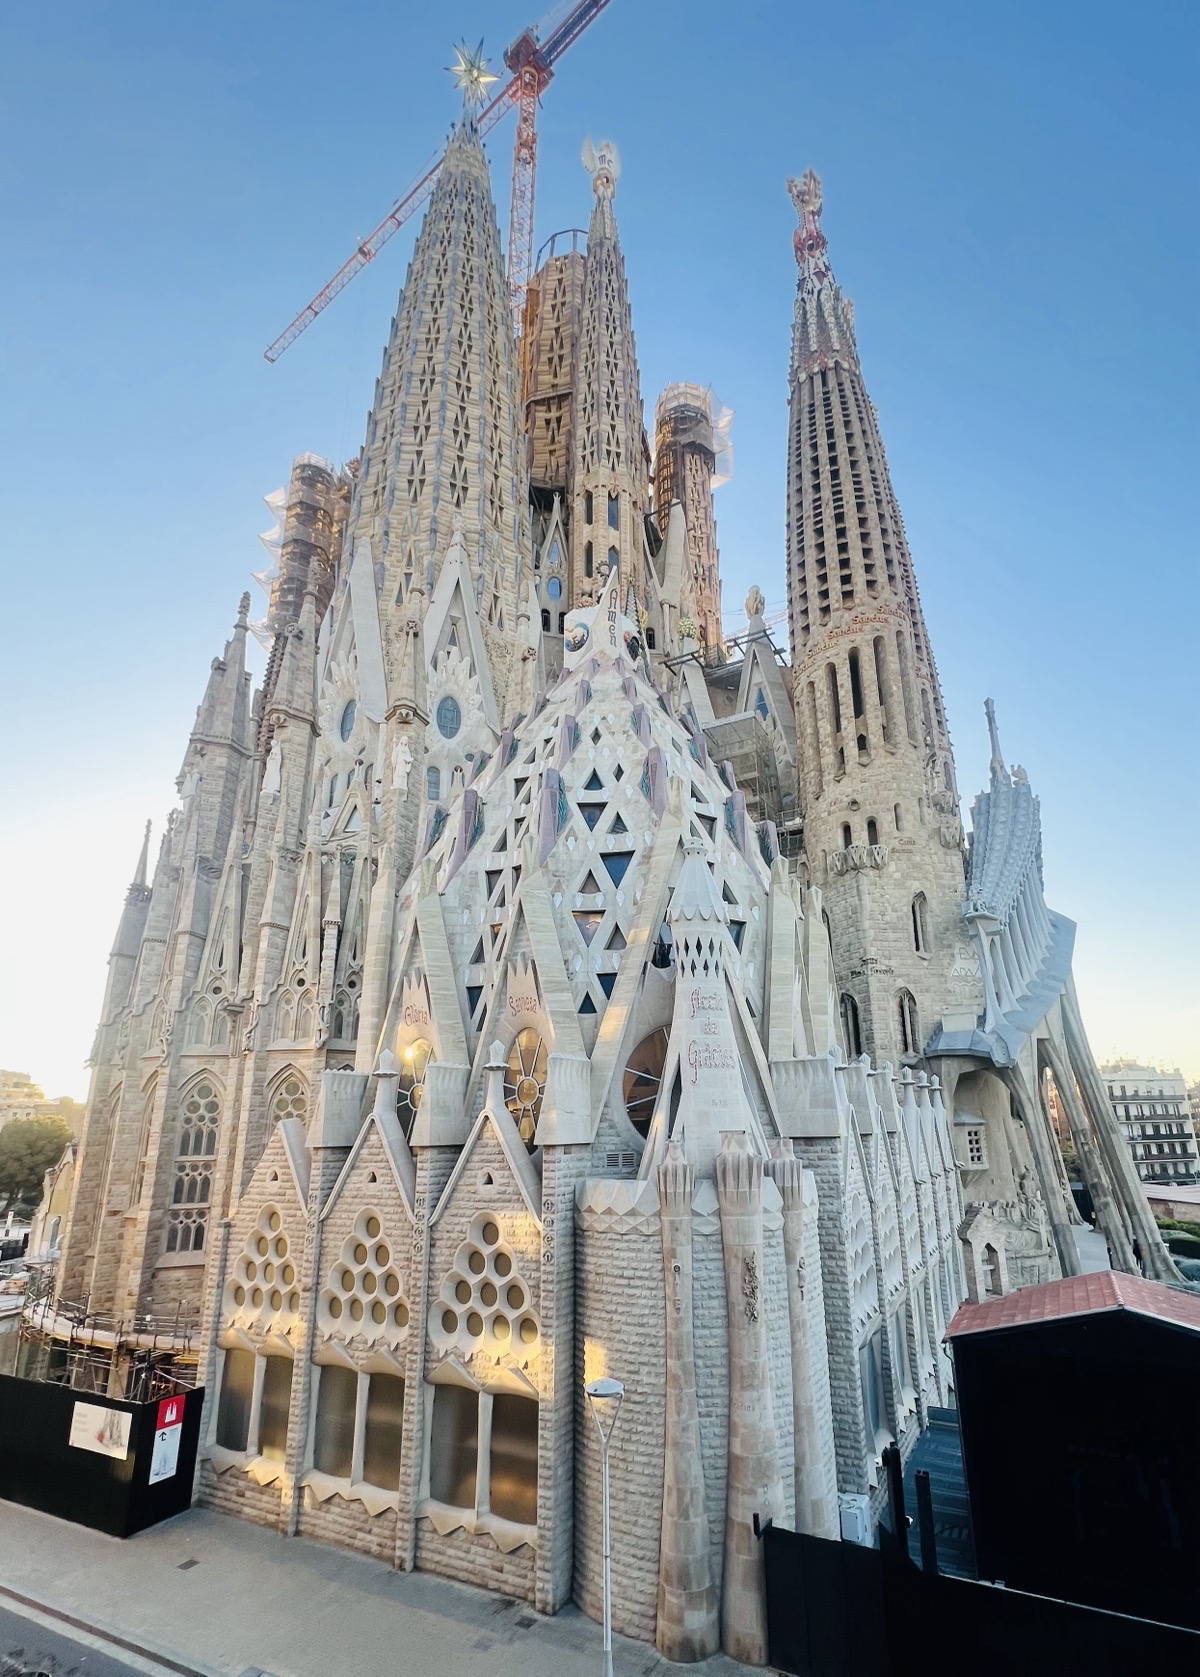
{"x":610,"y":477}
{"x":445,"y":437}
{"x":881,"y":819}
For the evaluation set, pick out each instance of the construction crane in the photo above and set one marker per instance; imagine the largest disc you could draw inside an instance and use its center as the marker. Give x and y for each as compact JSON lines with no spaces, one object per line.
{"x":531,"y":60}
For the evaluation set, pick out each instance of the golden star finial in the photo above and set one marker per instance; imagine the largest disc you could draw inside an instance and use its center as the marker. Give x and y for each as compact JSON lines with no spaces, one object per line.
{"x":471,"y":74}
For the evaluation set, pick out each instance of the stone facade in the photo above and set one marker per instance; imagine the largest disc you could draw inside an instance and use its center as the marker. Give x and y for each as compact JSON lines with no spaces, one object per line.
{"x":509,"y":1006}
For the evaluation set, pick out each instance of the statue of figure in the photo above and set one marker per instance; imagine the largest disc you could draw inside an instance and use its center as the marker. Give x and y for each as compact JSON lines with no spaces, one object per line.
{"x":755,"y":603}
{"x":402,"y":760}
{"x":273,"y":773}
{"x":188,"y":789}
{"x":324,"y":1023}
{"x":251,"y":1029}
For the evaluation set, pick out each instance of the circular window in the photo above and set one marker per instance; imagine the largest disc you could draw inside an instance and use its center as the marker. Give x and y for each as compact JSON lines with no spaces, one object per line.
{"x":346,"y":726}
{"x":554,"y":588}
{"x":525,"y":1082}
{"x":449,"y":718}
{"x":643,"y":1076}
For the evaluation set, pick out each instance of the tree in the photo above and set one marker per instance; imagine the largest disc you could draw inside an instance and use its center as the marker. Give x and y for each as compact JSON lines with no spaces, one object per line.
{"x":28,"y":1147}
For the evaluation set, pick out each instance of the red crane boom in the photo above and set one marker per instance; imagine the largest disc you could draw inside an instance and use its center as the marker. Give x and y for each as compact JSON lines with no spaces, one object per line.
{"x":531,"y":61}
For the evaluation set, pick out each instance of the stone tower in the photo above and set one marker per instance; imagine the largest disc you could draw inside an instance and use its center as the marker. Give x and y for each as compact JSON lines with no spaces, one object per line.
{"x":685,"y":464}
{"x":881,"y":821}
{"x":610,"y":475}
{"x":444,"y":436}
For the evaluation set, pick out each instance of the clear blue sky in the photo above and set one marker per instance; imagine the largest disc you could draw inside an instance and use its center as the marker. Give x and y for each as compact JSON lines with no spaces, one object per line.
{"x":1010,"y":200}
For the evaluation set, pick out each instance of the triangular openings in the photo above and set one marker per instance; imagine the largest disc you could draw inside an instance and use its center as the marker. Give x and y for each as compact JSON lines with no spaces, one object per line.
{"x":617,"y":940}
{"x":588,"y":922}
{"x":591,"y":886}
{"x":593,"y":783}
{"x":607,"y":980}
{"x":728,"y":894}
{"x":587,"y":1005}
{"x":591,"y":813}
{"x":616,"y":864}
{"x":618,"y":827}
{"x":476,"y":958}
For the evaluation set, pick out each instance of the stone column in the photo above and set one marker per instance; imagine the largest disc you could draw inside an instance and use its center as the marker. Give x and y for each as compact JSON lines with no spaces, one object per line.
{"x":688,"y":1626}
{"x":754,"y":1485}
{"x":814,"y":1511}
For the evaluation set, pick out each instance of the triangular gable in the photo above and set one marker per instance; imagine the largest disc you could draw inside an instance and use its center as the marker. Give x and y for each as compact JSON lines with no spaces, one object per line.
{"x":613,"y":1047}
{"x":533,"y":909}
{"x":521,"y":1166}
{"x":382,"y":1133}
{"x":761,"y":669}
{"x":423,"y":940}
{"x":281,"y":1174}
{"x":453,"y":584}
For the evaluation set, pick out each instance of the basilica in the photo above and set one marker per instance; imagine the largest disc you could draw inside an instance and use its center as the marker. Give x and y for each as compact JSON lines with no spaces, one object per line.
{"x":535,"y":983}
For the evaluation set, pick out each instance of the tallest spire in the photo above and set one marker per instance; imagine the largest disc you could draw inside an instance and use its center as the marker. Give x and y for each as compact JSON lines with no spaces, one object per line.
{"x":444,"y":439}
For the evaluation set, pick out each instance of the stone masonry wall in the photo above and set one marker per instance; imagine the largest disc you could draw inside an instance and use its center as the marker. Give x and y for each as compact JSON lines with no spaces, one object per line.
{"x":619,"y":1331}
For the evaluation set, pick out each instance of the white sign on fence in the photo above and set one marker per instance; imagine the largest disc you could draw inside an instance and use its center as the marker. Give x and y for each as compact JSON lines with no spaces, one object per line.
{"x":106,"y":1431}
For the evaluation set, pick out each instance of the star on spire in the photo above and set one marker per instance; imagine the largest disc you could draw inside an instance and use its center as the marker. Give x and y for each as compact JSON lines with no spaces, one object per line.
{"x":471,"y":74}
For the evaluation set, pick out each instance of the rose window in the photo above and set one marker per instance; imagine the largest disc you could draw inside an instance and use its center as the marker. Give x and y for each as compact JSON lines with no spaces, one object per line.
{"x":525,"y":1083}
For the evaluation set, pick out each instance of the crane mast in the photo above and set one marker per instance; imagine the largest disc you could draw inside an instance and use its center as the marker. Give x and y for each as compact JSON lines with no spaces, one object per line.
{"x":531,"y":61}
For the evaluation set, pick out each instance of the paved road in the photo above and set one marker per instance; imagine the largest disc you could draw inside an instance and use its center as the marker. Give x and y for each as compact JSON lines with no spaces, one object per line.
{"x":27,"y":1646}
{"x":227,"y":1598}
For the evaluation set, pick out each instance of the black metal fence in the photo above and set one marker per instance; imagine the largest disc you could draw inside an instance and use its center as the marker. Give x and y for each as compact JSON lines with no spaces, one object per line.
{"x":99,"y":1461}
{"x":840,"y":1610}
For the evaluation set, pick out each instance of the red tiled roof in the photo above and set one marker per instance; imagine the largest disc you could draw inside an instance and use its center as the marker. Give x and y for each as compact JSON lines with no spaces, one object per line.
{"x":1079,"y":1295}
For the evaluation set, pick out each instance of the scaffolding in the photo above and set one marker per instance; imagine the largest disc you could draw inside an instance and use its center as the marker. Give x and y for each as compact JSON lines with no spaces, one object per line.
{"x":140,"y":1356}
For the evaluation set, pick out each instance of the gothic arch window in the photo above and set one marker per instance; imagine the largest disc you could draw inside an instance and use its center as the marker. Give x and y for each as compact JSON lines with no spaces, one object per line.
{"x":289,"y":1098}
{"x":614,"y":512}
{"x":525,"y":1082}
{"x":410,"y":1090}
{"x":847,"y":836}
{"x":613,"y":558}
{"x":546,"y":621}
{"x":143,"y":1152}
{"x":872,"y":830}
{"x":920,"y":935}
{"x":643,"y":1079}
{"x":345,"y":1016}
{"x":851,"y":1026}
{"x":195,"y":1157}
{"x":910,"y":1033}
{"x":433,"y":775}
{"x":589,"y":563}
{"x":589,"y":504}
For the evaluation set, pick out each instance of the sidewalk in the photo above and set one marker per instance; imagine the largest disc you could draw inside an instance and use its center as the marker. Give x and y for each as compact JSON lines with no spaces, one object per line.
{"x":234,"y":1600}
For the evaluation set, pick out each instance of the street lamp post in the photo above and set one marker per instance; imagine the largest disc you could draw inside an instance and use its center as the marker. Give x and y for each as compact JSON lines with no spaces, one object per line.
{"x":604,"y":1401}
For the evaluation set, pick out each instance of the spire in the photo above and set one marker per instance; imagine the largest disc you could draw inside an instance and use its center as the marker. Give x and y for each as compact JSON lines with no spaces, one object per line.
{"x":141,"y":872}
{"x":445,"y":435}
{"x":873,"y":751}
{"x":610,"y":484}
{"x":224,"y":710}
{"x":824,"y":321}
{"x":997,"y":765}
